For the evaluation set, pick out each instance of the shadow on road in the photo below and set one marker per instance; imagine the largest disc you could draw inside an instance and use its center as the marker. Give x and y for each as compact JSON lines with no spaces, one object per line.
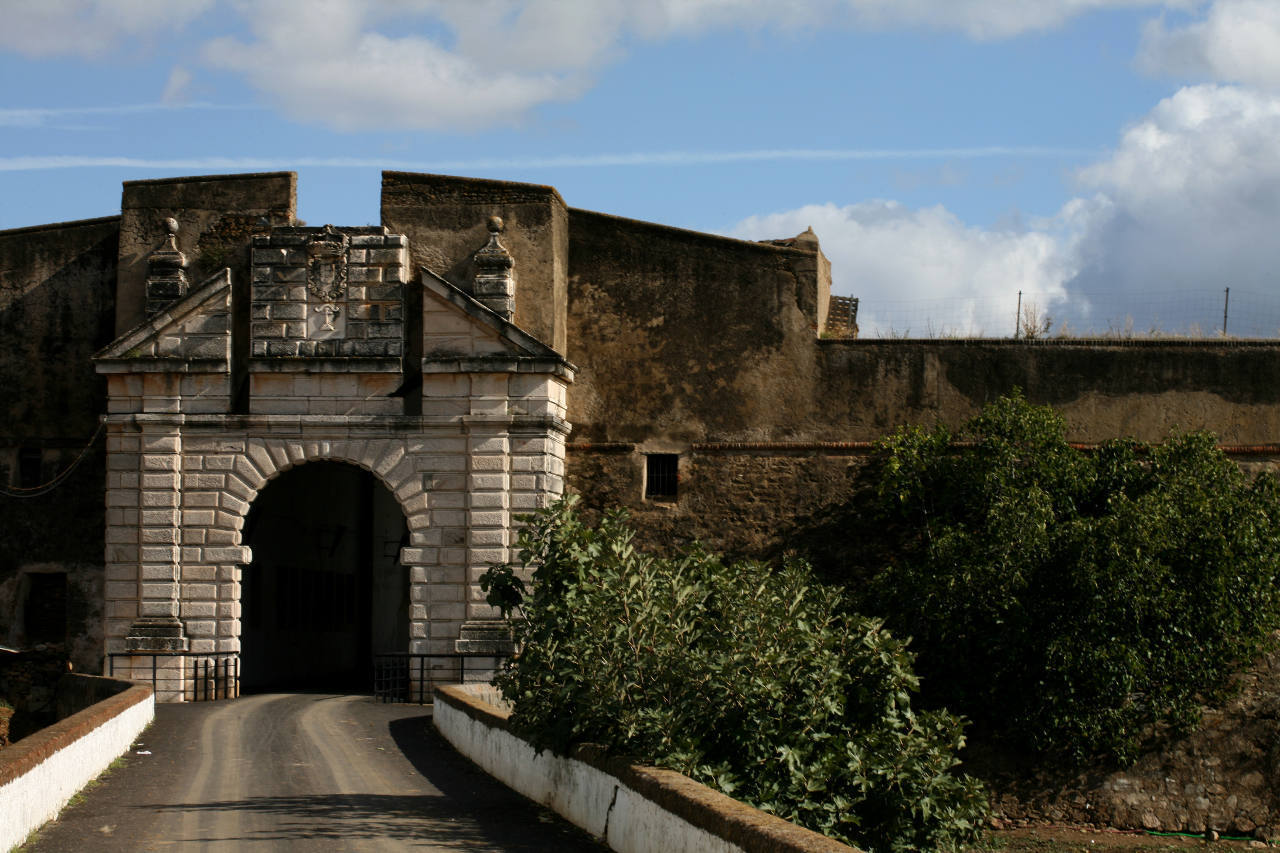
{"x":472,"y":810}
{"x":487,"y":800}
{"x":420,"y":819}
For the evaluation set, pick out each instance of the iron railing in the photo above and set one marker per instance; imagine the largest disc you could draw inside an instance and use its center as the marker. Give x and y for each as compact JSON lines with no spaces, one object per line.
{"x":406,"y":677}
{"x":211,"y":676}
{"x":397,"y":677}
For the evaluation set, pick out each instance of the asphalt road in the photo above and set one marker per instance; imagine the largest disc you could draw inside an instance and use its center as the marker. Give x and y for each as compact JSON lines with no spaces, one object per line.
{"x":300,"y":772}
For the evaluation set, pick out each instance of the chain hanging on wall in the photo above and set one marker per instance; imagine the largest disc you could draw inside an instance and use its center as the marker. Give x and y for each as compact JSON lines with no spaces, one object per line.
{"x":45,"y":488}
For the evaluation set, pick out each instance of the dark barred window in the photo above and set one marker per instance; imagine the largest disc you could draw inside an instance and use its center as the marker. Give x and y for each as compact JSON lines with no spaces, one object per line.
{"x":661,"y":476}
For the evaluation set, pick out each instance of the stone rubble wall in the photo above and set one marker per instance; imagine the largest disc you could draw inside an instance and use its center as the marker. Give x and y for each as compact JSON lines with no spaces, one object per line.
{"x":1223,"y":776}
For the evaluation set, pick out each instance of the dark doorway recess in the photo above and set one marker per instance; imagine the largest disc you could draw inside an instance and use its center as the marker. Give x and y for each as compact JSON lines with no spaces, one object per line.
{"x":326,"y":590}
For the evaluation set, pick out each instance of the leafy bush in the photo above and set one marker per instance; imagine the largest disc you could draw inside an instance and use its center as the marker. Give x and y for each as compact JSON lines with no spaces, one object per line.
{"x":750,"y":680}
{"x":1074,"y":600}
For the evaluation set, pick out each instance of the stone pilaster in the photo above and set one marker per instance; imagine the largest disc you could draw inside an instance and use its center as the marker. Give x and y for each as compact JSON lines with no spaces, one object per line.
{"x":159,"y":540}
{"x":488,"y":512}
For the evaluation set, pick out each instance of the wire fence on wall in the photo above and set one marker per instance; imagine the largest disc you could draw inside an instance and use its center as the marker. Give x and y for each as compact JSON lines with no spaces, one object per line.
{"x":1206,"y":314}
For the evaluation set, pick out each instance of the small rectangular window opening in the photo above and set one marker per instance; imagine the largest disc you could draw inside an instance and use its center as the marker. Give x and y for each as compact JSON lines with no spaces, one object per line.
{"x":661,"y":476}
{"x":30,"y":465}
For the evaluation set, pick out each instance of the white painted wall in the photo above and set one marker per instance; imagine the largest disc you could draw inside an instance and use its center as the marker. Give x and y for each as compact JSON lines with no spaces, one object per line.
{"x":38,"y":795}
{"x":583,"y":795}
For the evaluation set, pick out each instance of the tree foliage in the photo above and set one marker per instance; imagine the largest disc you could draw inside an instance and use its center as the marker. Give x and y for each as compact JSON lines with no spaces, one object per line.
{"x":1074,"y":600}
{"x":757,"y":682}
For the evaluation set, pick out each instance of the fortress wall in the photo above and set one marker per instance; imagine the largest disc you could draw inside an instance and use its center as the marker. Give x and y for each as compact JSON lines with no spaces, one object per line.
{"x":216,"y":214}
{"x":57,"y":301}
{"x":445,"y":219}
{"x":741,"y":504}
{"x":1104,"y":389}
{"x":685,"y":337}
{"x":690,"y":344}
{"x":57,"y":307}
{"x":748,"y":498}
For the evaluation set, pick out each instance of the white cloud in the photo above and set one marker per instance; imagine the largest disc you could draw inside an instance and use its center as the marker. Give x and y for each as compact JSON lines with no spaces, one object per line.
{"x":90,"y":27}
{"x":1236,"y":40}
{"x":322,"y":62}
{"x":175,"y":89}
{"x":1196,"y":191}
{"x":924,"y":272}
{"x":65,"y":117}
{"x":1186,"y":205}
{"x":987,"y":19}
{"x":464,"y":65}
{"x":448,"y":64}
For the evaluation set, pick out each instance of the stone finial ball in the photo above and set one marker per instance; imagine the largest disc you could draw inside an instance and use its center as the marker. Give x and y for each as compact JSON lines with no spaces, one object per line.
{"x":172,"y":225}
{"x":495,"y":224}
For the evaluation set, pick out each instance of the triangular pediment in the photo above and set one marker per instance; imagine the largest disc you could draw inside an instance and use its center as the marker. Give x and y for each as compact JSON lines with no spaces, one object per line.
{"x":192,"y":334}
{"x":460,"y":333}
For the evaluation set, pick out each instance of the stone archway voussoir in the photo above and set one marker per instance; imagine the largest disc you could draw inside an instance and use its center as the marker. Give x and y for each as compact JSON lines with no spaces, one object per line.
{"x":258,"y":454}
{"x":248,"y":473}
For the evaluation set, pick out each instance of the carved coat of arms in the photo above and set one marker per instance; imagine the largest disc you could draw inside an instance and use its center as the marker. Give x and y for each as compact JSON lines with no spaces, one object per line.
{"x":327,"y":282}
{"x":327,"y":264}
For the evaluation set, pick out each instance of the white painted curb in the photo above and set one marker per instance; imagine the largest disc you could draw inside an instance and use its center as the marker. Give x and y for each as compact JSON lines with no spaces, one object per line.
{"x":63,"y":758}
{"x":618,"y":807}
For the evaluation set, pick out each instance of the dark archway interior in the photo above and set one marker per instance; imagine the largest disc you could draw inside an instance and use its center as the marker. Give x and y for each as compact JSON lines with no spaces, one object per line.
{"x":326,"y":590}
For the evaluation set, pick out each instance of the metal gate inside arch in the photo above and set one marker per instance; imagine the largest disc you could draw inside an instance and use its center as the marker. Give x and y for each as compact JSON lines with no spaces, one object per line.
{"x":326,"y":591}
{"x":351,"y":375}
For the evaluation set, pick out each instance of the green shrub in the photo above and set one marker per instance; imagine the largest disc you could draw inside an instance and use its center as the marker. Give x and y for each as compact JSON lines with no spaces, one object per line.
{"x":1073,"y":601}
{"x":750,"y":680}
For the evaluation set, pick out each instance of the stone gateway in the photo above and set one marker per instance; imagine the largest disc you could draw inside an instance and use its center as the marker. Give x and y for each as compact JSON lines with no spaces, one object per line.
{"x":327,"y":382}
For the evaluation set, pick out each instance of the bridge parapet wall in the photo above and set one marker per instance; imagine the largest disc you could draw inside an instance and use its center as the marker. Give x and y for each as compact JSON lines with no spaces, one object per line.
{"x":41,"y":772}
{"x":630,"y":807}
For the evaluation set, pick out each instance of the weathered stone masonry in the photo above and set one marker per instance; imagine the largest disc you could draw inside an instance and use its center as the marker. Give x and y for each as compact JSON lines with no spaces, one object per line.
{"x":436,"y":350}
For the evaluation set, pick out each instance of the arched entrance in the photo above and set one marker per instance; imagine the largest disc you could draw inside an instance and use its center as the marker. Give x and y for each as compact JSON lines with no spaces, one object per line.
{"x":326,"y":590}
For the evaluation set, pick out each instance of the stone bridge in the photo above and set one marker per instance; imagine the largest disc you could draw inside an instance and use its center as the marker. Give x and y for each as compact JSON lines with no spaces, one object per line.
{"x":306,"y":772}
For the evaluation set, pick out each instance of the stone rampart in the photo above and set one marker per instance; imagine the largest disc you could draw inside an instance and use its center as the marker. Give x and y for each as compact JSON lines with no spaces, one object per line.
{"x":445,"y":218}
{"x":217,"y":215}
{"x":750,"y":484}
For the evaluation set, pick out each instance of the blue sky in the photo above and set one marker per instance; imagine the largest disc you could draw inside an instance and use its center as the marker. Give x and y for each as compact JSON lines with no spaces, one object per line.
{"x":1114,"y":160}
